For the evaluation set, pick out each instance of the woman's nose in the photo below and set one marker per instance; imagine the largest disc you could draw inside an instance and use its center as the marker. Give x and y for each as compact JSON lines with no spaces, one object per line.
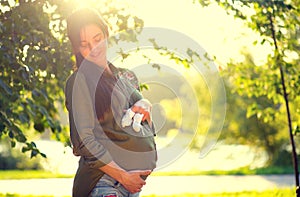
{"x":92,"y":45}
{"x":89,"y":48}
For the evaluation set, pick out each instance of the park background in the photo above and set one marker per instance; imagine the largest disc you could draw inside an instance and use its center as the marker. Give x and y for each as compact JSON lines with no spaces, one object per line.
{"x":238,"y":36}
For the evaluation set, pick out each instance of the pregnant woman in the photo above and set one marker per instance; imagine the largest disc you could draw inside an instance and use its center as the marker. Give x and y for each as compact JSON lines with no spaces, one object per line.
{"x":114,"y":160}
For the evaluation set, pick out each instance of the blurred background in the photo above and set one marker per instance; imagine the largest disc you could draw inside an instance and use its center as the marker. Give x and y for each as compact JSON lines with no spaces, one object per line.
{"x":254,"y":48}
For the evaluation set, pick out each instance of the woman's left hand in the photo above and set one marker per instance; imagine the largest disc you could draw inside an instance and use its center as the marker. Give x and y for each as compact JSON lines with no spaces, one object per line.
{"x":145,"y":112}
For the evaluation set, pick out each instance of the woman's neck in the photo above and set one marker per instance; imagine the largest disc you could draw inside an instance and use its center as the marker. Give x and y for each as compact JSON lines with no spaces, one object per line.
{"x":107,"y":69}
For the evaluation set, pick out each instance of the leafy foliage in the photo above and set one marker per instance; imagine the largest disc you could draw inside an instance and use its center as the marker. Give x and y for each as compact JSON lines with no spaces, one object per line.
{"x":33,"y":69}
{"x":278,"y":23}
{"x":278,"y":80}
{"x":11,"y":158}
{"x":35,"y":61}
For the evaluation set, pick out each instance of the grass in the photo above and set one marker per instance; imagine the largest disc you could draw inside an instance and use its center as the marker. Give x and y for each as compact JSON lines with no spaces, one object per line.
{"x":19,"y":195}
{"x":285,"y":192}
{"x":282,"y":192}
{"x":30,"y":174}
{"x":239,"y":171}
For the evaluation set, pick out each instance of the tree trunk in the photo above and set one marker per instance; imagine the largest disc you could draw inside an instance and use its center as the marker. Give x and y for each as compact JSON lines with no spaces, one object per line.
{"x":286,"y":100}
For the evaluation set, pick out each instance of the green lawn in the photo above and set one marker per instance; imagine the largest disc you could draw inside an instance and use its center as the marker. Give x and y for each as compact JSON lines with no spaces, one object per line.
{"x":240,"y":171}
{"x":27,"y":174}
{"x":30,"y":174}
{"x":288,"y":192}
{"x":18,"y":195}
{"x":268,"y":193}
{"x":15,"y":174}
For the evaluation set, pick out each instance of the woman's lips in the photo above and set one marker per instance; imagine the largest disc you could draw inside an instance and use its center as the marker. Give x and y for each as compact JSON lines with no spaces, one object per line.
{"x":95,"y":54}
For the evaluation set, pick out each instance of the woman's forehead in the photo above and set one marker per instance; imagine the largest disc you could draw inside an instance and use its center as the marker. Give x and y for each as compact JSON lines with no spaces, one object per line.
{"x":89,"y":32}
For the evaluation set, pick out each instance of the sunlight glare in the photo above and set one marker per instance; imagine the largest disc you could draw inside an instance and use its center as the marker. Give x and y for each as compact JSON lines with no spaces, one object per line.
{"x":218,"y":33}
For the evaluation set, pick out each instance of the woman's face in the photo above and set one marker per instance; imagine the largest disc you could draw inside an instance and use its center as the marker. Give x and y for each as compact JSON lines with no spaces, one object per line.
{"x":93,"y":44}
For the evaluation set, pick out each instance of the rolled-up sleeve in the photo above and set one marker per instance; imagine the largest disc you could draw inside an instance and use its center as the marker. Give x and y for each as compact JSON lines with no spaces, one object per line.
{"x":83,"y":123}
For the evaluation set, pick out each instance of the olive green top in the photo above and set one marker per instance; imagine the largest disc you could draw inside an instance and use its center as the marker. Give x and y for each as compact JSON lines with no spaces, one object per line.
{"x":100,"y":142}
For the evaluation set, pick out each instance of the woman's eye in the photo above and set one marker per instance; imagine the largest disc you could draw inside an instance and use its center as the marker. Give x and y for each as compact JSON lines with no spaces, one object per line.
{"x":83,"y":45}
{"x":98,"y":39}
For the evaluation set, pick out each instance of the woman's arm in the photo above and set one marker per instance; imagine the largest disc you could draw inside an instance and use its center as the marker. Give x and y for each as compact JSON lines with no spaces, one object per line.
{"x":82,"y":123}
{"x":136,"y":96}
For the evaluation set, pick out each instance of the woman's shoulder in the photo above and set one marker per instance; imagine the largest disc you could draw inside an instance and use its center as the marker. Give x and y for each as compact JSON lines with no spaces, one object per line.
{"x":71,"y":78}
{"x":75,"y":76}
{"x":129,"y":75}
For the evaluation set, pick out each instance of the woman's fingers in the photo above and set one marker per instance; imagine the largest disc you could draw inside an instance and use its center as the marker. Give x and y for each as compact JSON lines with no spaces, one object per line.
{"x":133,"y":181}
{"x":147,"y":117}
{"x":146,"y":113}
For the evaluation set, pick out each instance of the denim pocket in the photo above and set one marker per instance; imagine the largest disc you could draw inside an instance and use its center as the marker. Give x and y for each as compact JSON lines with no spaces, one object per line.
{"x":106,"y":180}
{"x":106,"y":187}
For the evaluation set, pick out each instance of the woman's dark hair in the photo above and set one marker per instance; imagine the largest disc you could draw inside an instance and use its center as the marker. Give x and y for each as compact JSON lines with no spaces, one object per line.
{"x":76,"y":21}
{"x":103,"y":94}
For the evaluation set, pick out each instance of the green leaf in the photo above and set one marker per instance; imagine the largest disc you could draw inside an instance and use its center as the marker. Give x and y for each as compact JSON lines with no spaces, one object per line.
{"x":144,"y":86}
{"x":251,"y":110}
{"x":43,"y":155}
{"x":16,"y":129}
{"x":21,"y":138}
{"x":13,"y":143}
{"x":34,"y":153}
{"x":157,"y":66}
{"x":296,"y":130}
{"x":5,"y":87}
{"x":43,"y":110}
{"x":185,"y":63}
{"x":35,"y":94}
{"x":190,"y":52}
{"x":39,"y":127}
{"x":11,"y":134}
{"x":24,"y":118}
{"x":51,"y":123}
{"x":29,"y":145}
{"x":2,"y":127}
{"x":25,"y":75}
{"x":33,"y":144}
{"x":25,"y":149}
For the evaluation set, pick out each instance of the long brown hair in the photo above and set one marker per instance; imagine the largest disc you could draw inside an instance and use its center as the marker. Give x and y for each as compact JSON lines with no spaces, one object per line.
{"x":75,"y":22}
{"x":103,"y":95}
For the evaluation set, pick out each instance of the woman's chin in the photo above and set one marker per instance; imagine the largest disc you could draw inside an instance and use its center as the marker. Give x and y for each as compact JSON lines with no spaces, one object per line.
{"x":97,"y":60}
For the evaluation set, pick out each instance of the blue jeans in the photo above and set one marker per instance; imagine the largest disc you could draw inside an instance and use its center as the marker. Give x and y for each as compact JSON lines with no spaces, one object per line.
{"x":107,"y":186}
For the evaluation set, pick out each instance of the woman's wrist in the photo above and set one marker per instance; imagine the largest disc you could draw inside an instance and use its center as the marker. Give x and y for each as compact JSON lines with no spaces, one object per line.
{"x":115,"y":171}
{"x":122,"y":176}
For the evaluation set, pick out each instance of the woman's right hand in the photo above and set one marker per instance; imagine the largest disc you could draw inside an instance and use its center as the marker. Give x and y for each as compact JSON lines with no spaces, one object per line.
{"x":132,"y":180}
